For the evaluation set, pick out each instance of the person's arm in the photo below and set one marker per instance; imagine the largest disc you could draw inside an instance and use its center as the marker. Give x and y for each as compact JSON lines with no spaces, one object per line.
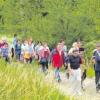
{"x":93,"y":60}
{"x":97,"y":58}
{"x":81,"y":67}
{"x":1,"y":51}
{"x":9,"y":51}
{"x":70,"y":70}
{"x":51,"y":55}
{"x":33,"y":53}
{"x":69,"y":66}
{"x":93,"y":57}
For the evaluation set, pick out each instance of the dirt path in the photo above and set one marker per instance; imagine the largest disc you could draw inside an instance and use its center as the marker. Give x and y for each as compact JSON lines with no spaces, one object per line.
{"x":65,"y":88}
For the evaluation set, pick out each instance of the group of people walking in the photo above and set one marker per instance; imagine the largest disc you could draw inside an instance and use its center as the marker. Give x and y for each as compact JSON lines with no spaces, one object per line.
{"x":27,"y":51}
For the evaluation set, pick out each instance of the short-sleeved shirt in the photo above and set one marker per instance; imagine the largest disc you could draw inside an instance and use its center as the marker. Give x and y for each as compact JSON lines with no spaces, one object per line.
{"x":75,"y":61}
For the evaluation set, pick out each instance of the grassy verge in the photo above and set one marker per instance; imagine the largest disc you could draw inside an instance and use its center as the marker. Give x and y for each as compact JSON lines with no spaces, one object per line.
{"x":90,"y":72}
{"x":25,"y":83}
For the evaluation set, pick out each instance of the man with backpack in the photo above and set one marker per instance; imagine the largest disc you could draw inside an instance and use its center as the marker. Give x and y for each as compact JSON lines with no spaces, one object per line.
{"x":96,"y":59}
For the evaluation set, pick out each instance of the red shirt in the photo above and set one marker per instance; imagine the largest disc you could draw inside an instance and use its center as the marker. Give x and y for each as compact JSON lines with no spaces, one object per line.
{"x":57,"y":59}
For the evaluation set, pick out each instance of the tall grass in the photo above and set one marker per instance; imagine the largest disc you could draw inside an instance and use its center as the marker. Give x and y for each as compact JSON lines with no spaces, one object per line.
{"x":90,"y":72}
{"x":25,"y":83}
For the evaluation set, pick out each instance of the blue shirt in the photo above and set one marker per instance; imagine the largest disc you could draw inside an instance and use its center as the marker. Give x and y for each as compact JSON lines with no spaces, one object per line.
{"x":5,"y":52}
{"x":15,"y":41}
{"x":97,"y":60}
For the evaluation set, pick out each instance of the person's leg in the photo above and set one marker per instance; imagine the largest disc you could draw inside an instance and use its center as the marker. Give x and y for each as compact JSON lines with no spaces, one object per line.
{"x":46,"y":64}
{"x":26,"y":60}
{"x":7,"y":59}
{"x":31,"y":60}
{"x":97,"y":80}
{"x":65,"y":66}
{"x":43,"y":66}
{"x":78,"y":80}
{"x":12,"y":51}
{"x":67,"y":72}
{"x":73,"y":82}
{"x":19,"y":56}
{"x":16,"y":55}
{"x":59,"y":78}
{"x":57,"y":74}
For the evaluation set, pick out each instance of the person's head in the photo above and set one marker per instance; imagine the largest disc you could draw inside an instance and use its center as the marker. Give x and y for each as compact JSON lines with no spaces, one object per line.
{"x":18,"y":41}
{"x":75,"y":52}
{"x":4,"y":40}
{"x":75,"y":45}
{"x":98,"y":46}
{"x":6,"y":45}
{"x":62,"y":42}
{"x":79,"y":44}
{"x":45,"y":44}
{"x":15,"y":35}
{"x":40,"y":43}
{"x":30,"y":42}
{"x":25,"y":41}
{"x":59,"y":46}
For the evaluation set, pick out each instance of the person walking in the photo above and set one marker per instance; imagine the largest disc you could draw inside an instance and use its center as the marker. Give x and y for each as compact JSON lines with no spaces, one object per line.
{"x":74,"y":67}
{"x":96,"y":58}
{"x":44,"y":57}
{"x":57,"y":59}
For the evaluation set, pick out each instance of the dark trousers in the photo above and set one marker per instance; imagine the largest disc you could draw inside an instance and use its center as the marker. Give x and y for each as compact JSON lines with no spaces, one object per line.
{"x":44,"y":66}
{"x":18,"y":56}
{"x":7,"y":59}
{"x":12,"y":52}
{"x":97,"y":79}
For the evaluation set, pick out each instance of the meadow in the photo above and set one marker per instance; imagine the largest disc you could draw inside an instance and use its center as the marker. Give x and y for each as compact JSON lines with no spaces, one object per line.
{"x":25,"y":82}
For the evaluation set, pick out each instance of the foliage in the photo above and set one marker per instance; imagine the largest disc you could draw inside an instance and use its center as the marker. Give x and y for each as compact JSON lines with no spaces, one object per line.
{"x":51,"y":19}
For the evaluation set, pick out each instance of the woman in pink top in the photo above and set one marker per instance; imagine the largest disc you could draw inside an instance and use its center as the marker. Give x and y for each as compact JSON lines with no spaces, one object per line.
{"x":43,"y":57}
